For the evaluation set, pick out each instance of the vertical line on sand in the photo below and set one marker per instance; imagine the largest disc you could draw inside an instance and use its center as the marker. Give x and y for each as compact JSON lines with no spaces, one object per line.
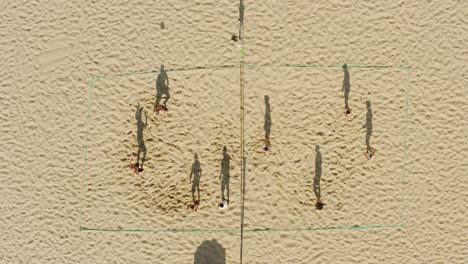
{"x":85,"y":150}
{"x":241,"y":73}
{"x":403,"y":180}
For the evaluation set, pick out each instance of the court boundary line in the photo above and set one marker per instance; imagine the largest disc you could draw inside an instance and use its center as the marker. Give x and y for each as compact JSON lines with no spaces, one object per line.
{"x":94,"y":78}
{"x":85,"y":148}
{"x":253,"y":66}
{"x":405,"y":162}
{"x":355,"y":227}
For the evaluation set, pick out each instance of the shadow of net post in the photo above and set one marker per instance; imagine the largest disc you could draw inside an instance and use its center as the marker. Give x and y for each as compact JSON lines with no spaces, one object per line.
{"x":162,"y":87}
{"x":224,"y":175}
{"x":210,"y":252}
{"x":241,"y":17}
{"x":196,"y":173}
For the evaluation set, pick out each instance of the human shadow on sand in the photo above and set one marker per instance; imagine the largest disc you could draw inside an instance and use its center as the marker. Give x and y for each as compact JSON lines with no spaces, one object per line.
{"x":162,"y":87}
{"x":368,"y":125}
{"x":346,"y":84}
{"x":224,"y":176}
{"x":140,"y":138}
{"x":318,"y":172}
{"x":196,"y":172}
{"x":267,"y":125}
{"x":210,"y":252}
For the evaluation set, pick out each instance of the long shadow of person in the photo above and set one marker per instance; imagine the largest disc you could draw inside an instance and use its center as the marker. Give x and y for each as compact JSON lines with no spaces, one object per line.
{"x":368,"y":125}
{"x":162,"y":87}
{"x":346,"y":84}
{"x":224,"y":175}
{"x":196,"y":172}
{"x":318,"y":175}
{"x":140,"y":139}
{"x":267,"y":125}
{"x":210,"y":252}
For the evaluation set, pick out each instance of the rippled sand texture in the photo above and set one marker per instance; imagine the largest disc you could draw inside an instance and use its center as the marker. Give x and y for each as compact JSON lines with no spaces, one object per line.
{"x":306,"y":120}
{"x":203,"y":118}
{"x":51,"y":49}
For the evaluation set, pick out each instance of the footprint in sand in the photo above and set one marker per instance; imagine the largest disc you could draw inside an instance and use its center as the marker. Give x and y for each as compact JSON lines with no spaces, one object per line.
{"x":55,"y":54}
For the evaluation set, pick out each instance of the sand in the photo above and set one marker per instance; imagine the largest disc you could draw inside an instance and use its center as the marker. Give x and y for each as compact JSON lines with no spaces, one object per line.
{"x":78,"y":79}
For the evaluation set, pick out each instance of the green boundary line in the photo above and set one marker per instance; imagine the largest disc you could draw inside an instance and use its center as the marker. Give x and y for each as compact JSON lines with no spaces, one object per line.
{"x":349,"y":66}
{"x":403,"y":180}
{"x":91,"y":91}
{"x":172,"y":70}
{"x":251,"y":66}
{"x":238,"y":230}
{"x":85,"y":150}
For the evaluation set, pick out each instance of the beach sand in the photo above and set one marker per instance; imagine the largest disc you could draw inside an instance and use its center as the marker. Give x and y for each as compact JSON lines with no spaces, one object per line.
{"x":78,"y":89}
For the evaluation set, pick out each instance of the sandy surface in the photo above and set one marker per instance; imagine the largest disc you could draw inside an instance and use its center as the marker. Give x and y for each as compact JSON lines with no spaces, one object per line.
{"x":64,"y":128}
